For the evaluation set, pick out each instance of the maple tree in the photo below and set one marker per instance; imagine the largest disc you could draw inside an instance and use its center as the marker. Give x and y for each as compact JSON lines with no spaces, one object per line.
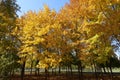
{"x":34,"y":31}
{"x":99,"y":25}
{"x":92,"y":23}
{"x":70,"y":17}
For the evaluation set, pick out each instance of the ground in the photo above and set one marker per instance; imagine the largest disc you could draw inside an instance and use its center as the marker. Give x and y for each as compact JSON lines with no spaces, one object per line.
{"x":88,"y":76}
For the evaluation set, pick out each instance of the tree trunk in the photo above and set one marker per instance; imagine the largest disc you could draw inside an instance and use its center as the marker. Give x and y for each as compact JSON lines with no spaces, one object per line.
{"x":79,"y":71}
{"x":66,"y":70}
{"x":46,"y":74}
{"x":59,"y":69}
{"x":111,"y":73}
{"x":92,"y":68}
{"x":37,"y":69}
{"x":71,"y":73}
{"x":31,"y":68}
{"x":104,"y":69}
{"x":71,"y":69}
{"x":52,"y":71}
{"x":55,"y":71}
{"x":96,"y":75}
{"x":23,"y":71}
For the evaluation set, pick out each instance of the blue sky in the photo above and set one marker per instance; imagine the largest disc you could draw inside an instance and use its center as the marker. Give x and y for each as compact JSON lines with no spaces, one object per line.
{"x":36,"y":5}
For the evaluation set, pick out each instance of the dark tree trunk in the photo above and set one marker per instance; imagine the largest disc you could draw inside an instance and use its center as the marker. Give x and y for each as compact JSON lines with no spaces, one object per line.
{"x":31,"y":68}
{"x":111,"y":73}
{"x":92,"y":68}
{"x":96,"y":75}
{"x":36,"y":69}
{"x":104,"y":69}
{"x":102,"y":72}
{"x":59,"y":69}
{"x":79,"y":72}
{"x":71,"y":72}
{"x":46,"y":74}
{"x":55,"y":71}
{"x":66,"y":70}
{"x":71,"y":69}
{"x":52,"y":71}
{"x":23,"y":71}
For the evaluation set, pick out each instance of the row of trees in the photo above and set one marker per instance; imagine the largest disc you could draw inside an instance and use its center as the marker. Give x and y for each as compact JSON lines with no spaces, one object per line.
{"x":80,"y":33}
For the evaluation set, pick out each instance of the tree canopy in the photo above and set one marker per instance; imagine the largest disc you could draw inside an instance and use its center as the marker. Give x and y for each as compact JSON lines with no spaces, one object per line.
{"x":82,"y":32}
